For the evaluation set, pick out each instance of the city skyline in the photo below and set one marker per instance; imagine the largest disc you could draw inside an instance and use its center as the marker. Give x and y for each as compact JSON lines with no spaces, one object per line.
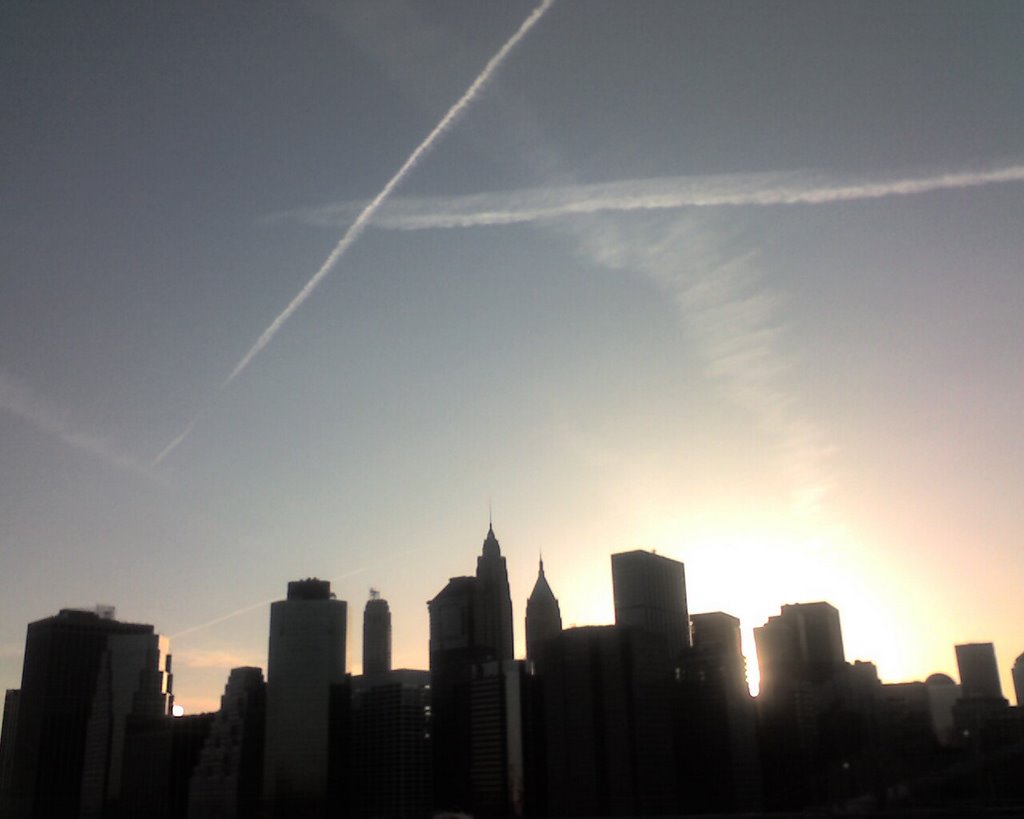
{"x":658,"y":591}
{"x":737,"y":284}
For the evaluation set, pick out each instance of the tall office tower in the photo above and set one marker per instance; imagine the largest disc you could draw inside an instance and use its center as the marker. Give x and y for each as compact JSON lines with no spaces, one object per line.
{"x":496,"y":772}
{"x":543,"y":616}
{"x":391,"y":736}
{"x":650,"y":593}
{"x":306,"y":661}
{"x":453,"y":653}
{"x":134,"y":679}
{"x":607,"y":727}
{"x":1018,"y":680}
{"x":63,"y":658}
{"x":227,"y":782}
{"x":979,"y":672}
{"x":715,"y":722}
{"x":376,"y":635}
{"x":804,"y":642}
{"x":799,"y":654}
{"x":494,"y":601}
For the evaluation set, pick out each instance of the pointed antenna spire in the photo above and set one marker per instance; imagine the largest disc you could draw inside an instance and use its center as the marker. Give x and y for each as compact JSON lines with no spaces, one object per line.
{"x":541,"y":553}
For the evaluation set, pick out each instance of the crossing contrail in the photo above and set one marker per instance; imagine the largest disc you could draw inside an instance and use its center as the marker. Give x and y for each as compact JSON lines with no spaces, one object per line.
{"x":362,"y":221}
{"x":666,"y":193}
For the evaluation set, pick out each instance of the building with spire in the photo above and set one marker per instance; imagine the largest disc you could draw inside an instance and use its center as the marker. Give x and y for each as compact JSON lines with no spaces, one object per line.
{"x":543,"y":616}
{"x":475,"y":692}
{"x":376,"y":635}
{"x":493,"y":601}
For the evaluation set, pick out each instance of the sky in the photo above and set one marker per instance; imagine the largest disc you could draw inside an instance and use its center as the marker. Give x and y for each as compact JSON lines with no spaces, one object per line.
{"x":317,"y":289}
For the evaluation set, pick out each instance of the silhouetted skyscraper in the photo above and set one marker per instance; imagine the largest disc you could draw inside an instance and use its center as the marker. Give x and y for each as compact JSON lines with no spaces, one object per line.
{"x":494,"y":601}
{"x":607,"y":723}
{"x":650,"y":593}
{"x":376,"y":635}
{"x":715,"y":723}
{"x":307,"y":658}
{"x":160,"y":756}
{"x":979,"y":672}
{"x":391,"y":745}
{"x":804,"y":642}
{"x":134,"y":679}
{"x":63,"y":658}
{"x":227,"y":782}
{"x":471,"y":664}
{"x":799,"y":654}
{"x":543,"y":616}
{"x":453,"y":654}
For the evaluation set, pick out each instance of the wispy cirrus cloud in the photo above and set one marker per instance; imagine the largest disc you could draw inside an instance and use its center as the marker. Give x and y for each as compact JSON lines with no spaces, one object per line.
{"x":735,"y":320}
{"x":734,"y":317}
{"x":21,"y":401}
{"x":665,"y":193}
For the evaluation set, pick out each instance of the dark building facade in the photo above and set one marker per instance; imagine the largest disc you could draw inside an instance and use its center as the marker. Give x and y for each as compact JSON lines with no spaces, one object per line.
{"x":391,"y":745}
{"x":227,"y":781}
{"x":161,"y":754}
{"x":543,"y":615}
{"x":979,"y":671}
{"x":650,"y":593}
{"x":718,"y":766}
{"x":63,"y":658}
{"x":453,"y":654}
{"x":496,"y":769}
{"x":134,"y":679}
{"x":376,"y":635}
{"x":11,"y":701}
{"x":800,"y":655}
{"x":494,"y":601}
{"x":470,"y":660}
{"x":305,"y":693}
{"x":607,"y":723}
{"x":802,"y":643}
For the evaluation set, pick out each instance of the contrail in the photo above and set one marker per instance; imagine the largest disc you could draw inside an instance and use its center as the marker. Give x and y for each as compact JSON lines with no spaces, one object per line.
{"x":246,"y":609}
{"x":361,"y":222}
{"x":765,"y":189}
{"x":19,"y":400}
{"x":262,"y":603}
{"x":171,"y":446}
{"x":363,"y":219}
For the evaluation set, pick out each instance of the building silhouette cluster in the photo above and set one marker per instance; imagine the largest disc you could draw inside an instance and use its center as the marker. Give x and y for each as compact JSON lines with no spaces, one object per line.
{"x":651,"y":716}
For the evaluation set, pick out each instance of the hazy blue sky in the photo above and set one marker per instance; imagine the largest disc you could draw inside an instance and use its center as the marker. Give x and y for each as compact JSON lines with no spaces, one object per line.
{"x":738,"y":282}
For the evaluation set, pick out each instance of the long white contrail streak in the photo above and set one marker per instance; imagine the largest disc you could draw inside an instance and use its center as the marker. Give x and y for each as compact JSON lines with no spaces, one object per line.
{"x":363,"y":219}
{"x":361,"y":222}
{"x":797,"y":188}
